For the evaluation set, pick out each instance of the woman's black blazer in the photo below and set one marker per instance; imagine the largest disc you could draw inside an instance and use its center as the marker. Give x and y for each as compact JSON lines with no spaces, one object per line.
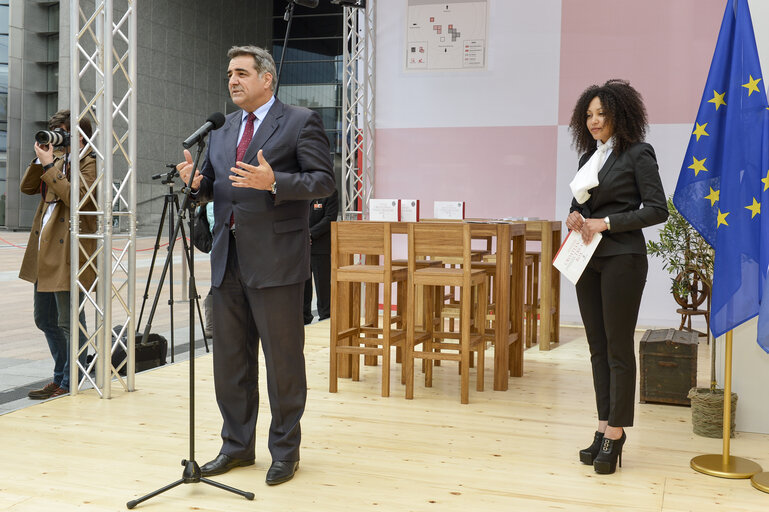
{"x":625,"y":182}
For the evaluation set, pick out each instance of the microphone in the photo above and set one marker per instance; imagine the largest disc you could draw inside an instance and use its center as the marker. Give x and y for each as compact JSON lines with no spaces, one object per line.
{"x":214,"y":122}
{"x":312,"y":4}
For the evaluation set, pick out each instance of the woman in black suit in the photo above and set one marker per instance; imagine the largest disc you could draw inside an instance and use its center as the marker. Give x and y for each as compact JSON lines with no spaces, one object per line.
{"x":617,"y":192}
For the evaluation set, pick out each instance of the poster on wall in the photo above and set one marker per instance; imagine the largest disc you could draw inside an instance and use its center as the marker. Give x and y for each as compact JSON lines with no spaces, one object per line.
{"x":447,"y":35}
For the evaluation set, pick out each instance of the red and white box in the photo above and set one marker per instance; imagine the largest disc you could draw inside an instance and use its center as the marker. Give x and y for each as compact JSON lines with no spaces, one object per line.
{"x":409,"y":210}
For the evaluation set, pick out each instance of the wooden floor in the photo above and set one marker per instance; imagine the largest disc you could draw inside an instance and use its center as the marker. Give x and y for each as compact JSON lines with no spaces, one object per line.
{"x":513,"y":450}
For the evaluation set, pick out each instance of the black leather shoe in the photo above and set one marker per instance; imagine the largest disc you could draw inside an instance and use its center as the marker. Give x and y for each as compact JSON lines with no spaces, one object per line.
{"x":281,"y":471}
{"x":223,"y":463}
{"x":587,"y":455}
{"x":605,"y":462}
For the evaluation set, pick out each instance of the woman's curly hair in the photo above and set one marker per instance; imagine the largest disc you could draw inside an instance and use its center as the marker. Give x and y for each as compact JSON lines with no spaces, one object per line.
{"x":624,"y":110}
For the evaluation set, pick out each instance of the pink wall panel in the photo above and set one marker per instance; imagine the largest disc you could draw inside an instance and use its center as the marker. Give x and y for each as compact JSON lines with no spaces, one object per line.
{"x":663,"y":47}
{"x":497,"y":171}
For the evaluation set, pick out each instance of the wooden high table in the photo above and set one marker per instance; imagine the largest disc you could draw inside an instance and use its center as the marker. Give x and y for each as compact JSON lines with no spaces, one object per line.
{"x":510,"y":249}
{"x":549,"y":233}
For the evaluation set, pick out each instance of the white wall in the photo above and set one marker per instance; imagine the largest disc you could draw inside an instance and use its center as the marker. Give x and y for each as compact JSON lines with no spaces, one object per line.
{"x":522,"y":63}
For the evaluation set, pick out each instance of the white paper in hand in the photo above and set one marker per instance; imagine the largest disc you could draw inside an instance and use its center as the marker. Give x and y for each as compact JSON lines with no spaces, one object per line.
{"x":573,"y":256}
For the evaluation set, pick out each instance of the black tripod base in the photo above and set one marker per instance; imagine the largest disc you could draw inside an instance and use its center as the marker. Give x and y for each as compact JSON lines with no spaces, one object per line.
{"x":191,"y":475}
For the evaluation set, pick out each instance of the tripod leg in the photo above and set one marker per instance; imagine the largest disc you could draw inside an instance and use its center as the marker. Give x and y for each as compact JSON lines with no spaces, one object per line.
{"x":133,"y":503}
{"x":152,"y":261}
{"x":171,"y":232}
{"x":170,"y":199}
{"x":202,"y":320}
{"x":245,"y":494}
{"x":192,"y":284}
{"x":193,"y":287}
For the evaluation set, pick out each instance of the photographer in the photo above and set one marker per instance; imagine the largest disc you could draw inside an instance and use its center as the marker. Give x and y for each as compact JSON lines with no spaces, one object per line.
{"x":46,"y":261}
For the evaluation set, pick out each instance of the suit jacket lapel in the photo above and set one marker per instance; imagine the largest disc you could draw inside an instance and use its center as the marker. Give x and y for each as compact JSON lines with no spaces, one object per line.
{"x":230,"y":136}
{"x":266,"y":129}
{"x":607,"y":166}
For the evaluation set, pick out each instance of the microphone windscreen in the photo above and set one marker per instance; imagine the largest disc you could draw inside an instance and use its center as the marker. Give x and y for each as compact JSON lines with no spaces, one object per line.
{"x":217,"y":119}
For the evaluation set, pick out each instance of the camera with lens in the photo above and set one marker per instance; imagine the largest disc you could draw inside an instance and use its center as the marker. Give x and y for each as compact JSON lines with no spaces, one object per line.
{"x":57,"y":137}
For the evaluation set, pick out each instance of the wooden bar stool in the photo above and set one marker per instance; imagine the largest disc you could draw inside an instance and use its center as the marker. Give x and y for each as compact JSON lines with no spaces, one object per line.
{"x":532,"y":298}
{"x":449,"y":240}
{"x":533,"y":305}
{"x":418,"y":303}
{"x":368,"y":238}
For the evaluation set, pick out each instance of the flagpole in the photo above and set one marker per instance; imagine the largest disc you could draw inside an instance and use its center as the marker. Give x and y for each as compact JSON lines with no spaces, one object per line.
{"x":724,"y":465}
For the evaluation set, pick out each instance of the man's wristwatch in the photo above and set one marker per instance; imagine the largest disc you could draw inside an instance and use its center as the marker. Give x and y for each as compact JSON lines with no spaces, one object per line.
{"x":608,"y":224}
{"x":47,"y":166}
{"x":274,"y":187}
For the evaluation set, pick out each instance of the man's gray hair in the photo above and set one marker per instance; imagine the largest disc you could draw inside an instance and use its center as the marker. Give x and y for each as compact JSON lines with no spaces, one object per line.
{"x":263,"y":62}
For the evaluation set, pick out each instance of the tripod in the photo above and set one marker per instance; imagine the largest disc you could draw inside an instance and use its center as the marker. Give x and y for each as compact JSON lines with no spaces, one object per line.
{"x":170,"y":212}
{"x":191,"y":473}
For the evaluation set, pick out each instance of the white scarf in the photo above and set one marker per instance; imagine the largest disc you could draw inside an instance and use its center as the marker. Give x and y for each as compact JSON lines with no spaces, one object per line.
{"x":587,"y":176}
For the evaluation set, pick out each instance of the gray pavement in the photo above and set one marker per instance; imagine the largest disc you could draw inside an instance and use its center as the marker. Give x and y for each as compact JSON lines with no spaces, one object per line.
{"x":25,"y":362}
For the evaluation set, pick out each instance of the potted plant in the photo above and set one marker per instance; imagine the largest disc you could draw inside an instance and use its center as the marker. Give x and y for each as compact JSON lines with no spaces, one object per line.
{"x":689,"y":260}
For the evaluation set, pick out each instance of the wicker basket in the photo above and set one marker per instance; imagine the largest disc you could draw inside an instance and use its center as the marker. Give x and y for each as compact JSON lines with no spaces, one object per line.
{"x":708,"y":412}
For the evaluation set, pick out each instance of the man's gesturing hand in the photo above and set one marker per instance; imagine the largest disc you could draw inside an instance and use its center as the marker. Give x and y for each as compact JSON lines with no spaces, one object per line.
{"x":185,"y":168}
{"x":259,"y":177}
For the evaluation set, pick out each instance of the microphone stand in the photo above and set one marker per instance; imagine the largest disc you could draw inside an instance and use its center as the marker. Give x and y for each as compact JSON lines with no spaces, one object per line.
{"x":191,"y":473}
{"x":288,"y":16}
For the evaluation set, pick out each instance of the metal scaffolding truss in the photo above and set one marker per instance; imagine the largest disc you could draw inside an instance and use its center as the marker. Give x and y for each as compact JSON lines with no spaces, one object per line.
{"x":358,"y":120}
{"x":103,"y":40}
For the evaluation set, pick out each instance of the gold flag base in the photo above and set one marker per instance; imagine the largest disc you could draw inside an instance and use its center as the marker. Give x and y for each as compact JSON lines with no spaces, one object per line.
{"x":760,"y":481}
{"x":724,"y":465}
{"x":735,"y":467}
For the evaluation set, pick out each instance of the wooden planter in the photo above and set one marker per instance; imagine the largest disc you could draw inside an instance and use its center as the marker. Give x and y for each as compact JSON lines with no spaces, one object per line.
{"x":708,"y":412}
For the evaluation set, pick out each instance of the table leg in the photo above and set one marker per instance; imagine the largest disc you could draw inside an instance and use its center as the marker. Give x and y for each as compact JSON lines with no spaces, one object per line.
{"x":371,"y":307}
{"x":546,"y":289}
{"x":344,"y":361}
{"x":517,"y":283}
{"x":556,"y":291}
{"x":502,"y":313}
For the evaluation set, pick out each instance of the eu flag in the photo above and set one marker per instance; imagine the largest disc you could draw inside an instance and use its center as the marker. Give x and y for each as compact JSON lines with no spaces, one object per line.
{"x":724,"y":179}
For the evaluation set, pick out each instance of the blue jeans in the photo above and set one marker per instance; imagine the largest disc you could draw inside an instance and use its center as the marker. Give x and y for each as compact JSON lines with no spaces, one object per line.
{"x":51,"y":311}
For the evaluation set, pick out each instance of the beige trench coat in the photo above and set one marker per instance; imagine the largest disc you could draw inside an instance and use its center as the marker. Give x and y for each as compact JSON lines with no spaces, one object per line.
{"x":47,"y":257}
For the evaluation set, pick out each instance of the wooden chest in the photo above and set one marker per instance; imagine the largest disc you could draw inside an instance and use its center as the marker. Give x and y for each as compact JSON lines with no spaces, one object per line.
{"x":668,"y":360}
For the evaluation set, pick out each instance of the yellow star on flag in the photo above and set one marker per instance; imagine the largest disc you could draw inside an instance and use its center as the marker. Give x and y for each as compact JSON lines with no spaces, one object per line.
{"x":755,"y":208}
{"x":722,"y":218}
{"x":766,"y":181}
{"x":698,"y":165}
{"x":699,"y":131}
{"x":718,"y":99}
{"x":752,"y":85}
{"x":713,"y":196}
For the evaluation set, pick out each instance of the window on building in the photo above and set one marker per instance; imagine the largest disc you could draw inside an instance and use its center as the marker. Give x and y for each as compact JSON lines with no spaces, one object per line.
{"x":311,"y":75}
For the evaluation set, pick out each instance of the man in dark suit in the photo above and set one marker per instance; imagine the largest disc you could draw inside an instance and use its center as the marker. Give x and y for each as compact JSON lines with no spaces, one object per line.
{"x":260,"y":258}
{"x":322,"y":213}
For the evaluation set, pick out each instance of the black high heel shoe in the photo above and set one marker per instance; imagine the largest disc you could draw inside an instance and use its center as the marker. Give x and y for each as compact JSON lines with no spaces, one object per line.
{"x":587,"y":455}
{"x":605,"y":462}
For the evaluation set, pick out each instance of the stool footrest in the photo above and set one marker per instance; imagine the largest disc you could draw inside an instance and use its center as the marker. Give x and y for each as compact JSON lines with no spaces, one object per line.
{"x":366,"y":351}
{"x":437,"y":355}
